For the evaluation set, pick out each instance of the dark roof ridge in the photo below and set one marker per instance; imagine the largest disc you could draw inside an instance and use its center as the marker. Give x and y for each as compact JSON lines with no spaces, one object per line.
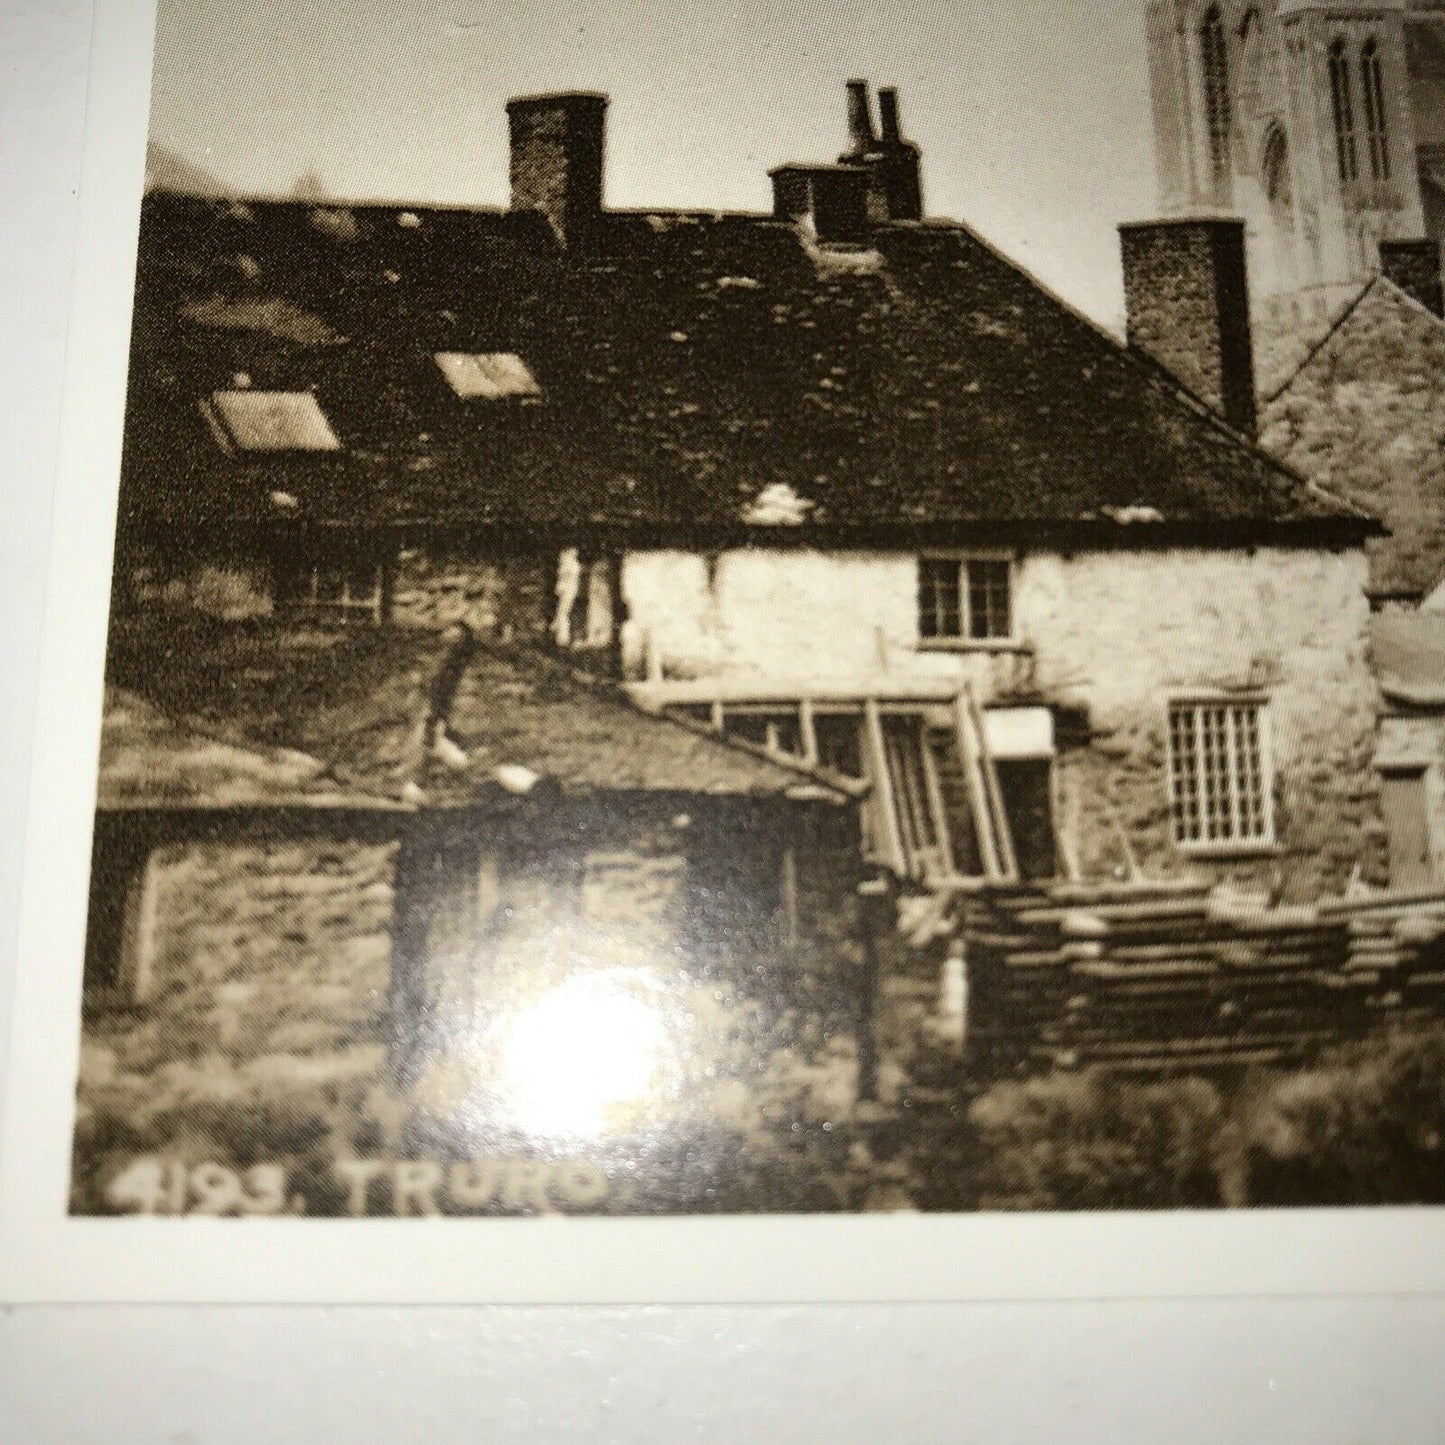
{"x":328,"y":203}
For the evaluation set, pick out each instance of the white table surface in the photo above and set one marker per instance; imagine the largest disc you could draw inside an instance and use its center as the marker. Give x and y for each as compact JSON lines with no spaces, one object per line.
{"x":1343,"y":1372}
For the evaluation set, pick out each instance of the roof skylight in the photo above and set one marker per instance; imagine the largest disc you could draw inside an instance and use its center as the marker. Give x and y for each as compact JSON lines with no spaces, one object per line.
{"x":487,"y":375}
{"x":269,"y":422}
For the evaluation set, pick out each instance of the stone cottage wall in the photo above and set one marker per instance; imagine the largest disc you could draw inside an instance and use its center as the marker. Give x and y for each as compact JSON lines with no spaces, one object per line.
{"x":1121,"y":633}
{"x":265,"y":950}
{"x":1115,"y":633}
{"x":428,"y":585}
{"x":262,"y":1025}
{"x":260,"y":1037}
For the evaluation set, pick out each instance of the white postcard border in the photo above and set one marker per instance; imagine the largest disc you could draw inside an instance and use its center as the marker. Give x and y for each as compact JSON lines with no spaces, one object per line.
{"x":47,"y":1256}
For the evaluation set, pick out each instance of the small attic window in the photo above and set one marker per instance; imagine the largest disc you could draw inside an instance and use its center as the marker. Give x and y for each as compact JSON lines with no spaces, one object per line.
{"x":270,"y":422}
{"x":487,"y":375}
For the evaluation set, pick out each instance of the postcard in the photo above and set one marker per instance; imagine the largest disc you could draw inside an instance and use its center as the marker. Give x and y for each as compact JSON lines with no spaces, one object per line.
{"x":678,"y":669}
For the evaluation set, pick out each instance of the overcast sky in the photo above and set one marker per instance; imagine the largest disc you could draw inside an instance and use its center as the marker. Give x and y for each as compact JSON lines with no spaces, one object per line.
{"x":1033,"y":115}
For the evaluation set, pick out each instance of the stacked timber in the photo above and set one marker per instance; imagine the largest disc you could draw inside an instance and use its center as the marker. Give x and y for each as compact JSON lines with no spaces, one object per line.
{"x":1396,"y":952}
{"x":1166,"y":977}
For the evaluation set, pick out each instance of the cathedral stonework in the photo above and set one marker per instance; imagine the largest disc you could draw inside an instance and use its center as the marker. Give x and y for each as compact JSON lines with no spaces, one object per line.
{"x":1321,"y":123}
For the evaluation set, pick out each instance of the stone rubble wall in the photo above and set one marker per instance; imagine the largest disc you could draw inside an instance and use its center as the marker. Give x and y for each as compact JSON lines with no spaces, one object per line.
{"x":268,"y":954}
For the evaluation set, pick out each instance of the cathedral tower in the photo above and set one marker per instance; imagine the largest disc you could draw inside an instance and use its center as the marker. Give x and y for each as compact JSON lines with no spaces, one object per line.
{"x":1321,"y":123}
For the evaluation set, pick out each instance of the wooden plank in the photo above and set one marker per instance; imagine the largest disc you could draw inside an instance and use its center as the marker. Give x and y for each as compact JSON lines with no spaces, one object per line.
{"x":1067,"y":835}
{"x":976,"y":786}
{"x":1157,"y":952}
{"x":908,"y":694}
{"x":883,"y":787}
{"x":138,"y":927}
{"x":1122,"y":915}
{"x":1144,"y":890}
{"x":1108,"y":971}
{"x":1431,"y":900}
{"x":933,"y":786}
{"x":807,"y":730}
{"x":1003,"y":833}
{"x":790,"y":897}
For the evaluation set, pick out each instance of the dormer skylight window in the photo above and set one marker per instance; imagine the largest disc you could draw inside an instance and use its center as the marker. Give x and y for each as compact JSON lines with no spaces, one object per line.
{"x":487,"y":375}
{"x":269,"y":422}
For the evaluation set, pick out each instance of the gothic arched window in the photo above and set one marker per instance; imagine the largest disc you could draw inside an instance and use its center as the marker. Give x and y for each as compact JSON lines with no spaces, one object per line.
{"x":1274,"y":171}
{"x":1214,"y":62}
{"x":1249,"y":82}
{"x":1279,"y":192}
{"x":1342,"y":102}
{"x":1377,"y":131}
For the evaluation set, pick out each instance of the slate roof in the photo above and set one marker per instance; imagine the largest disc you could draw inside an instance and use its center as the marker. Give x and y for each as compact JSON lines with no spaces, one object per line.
{"x":1365,"y":417}
{"x":205,"y":713}
{"x":151,"y":760}
{"x":1408,"y":650}
{"x":687,"y":364}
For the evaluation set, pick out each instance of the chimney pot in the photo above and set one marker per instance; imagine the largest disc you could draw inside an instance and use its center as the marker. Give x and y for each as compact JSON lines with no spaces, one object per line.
{"x":558,"y":144}
{"x":860,"y":117}
{"x":888,"y":115}
{"x":1187,"y":297}
{"x":1414,"y":266}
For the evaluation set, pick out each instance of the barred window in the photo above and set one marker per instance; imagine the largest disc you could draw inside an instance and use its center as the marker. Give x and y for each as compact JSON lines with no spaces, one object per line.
{"x":1342,"y":102}
{"x":1377,"y":133}
{"x":1219,"y":774}
{"x":965,"y":599}
{"x":1214,"y":61}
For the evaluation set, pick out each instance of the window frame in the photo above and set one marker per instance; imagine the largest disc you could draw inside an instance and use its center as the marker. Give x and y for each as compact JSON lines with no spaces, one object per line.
{"x":1377,"y":120}
{"x":1266,"y":842}
{"x":327,"y":442}
{"x":296,"y":584}
{"x":965,"y":641}
{"x":521,"y":386}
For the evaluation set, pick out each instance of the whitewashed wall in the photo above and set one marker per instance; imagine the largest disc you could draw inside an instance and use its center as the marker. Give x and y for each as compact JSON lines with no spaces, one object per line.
{"x":1113,"y":632}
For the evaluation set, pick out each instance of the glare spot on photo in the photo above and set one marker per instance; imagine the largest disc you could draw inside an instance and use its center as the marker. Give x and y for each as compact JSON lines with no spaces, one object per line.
{"x":586,"y":1056}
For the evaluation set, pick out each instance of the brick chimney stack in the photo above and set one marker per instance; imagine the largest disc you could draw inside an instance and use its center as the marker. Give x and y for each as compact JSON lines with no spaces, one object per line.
{"x":558,"y":144}
{"x":1187,"y":298}
{"x":1414,"y":266}
{"x":833,"y":199}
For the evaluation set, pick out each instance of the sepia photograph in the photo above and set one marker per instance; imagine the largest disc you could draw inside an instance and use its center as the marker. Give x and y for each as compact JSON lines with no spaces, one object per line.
{"x":811,"y":613}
